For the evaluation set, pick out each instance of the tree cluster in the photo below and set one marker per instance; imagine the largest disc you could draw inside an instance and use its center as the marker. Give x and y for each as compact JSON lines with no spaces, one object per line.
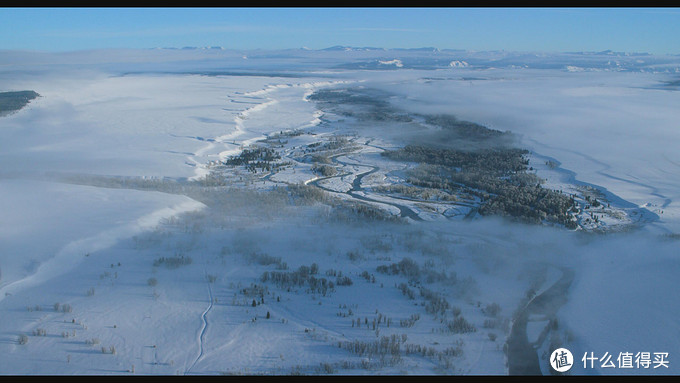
{"x":496,"y":161}
{"x":253,"y":159}
{"x":303,"y":276}
{"x":325,"y":170}
{"x":13,"y":101}
{"x":497,"y":176}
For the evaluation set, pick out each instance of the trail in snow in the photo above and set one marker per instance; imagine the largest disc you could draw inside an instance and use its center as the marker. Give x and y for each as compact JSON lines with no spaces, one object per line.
{"x":204,"y":328}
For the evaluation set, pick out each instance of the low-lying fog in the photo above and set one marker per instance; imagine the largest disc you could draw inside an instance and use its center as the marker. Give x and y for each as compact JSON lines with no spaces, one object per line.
{"x":115,"y":121}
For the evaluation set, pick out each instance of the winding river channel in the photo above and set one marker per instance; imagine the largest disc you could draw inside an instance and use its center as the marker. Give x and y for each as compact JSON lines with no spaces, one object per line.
{"x":404,"y":211}
{"x":522,"y":355}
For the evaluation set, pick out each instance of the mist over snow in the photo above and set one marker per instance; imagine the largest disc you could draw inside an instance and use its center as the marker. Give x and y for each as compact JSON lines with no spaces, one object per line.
{"x":214,"y":211}
{"x":617,"y":130}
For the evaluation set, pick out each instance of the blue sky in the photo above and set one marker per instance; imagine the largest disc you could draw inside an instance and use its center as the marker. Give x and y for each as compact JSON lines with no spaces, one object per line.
{"x":653,"y":30}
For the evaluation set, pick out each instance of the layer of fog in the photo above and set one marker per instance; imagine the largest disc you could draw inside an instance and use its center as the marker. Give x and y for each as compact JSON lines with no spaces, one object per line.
{"x":610,"y":128}
{"x":613,"y":129}
{"x":620,"y":300}
{"x":84,"y":124}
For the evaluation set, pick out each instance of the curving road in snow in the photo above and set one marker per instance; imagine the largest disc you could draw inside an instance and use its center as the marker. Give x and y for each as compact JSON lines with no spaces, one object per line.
{"x":204,"y":328}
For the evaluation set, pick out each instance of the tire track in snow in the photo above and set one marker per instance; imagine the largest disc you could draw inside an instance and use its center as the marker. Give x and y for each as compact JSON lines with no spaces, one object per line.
{"x":204,"y":328}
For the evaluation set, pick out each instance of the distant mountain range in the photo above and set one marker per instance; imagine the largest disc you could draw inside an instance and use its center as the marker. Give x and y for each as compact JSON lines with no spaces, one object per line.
{"x":220,"y":59}
{"x":346,"y":48}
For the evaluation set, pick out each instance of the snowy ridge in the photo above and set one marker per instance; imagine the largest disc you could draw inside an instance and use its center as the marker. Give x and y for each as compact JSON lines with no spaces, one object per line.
{"x":459,"y":64}
{"x":72,"y":254}
{"x":261,"y":100}
{"x":395,"y":62}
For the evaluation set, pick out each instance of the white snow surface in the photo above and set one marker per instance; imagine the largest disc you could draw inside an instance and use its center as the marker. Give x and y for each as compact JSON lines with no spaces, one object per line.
{"x":92,"y":248}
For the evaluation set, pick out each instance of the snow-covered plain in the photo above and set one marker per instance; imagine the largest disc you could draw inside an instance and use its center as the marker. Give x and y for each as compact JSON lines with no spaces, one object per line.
{"x":175,"y":285}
